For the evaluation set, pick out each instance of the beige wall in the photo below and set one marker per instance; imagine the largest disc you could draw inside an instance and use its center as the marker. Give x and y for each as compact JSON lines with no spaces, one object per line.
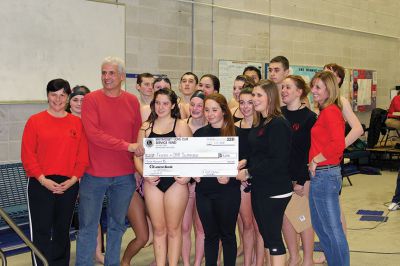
{"x":356,"y":34}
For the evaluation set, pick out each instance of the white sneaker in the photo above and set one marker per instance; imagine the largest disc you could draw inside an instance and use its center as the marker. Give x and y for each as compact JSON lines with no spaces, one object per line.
{"x":393,"y":206}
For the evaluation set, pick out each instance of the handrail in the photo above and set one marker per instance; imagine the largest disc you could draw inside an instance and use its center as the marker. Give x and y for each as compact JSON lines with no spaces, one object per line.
{"x":3,"y":258}
{"x":17,"y":230}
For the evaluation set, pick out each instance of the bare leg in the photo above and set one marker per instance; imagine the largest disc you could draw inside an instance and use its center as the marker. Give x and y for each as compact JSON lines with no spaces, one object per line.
{"x":175,"y":201}
{"x":259,"y":245}
{"x":99,"y":255}
{"x":219,"y":253}
{"x":267,"y":258}
{"x":246,"y":215}
{"x":307,"y":237}
{"x":187,"y":227}
{"x":154,"y":201}
{"x":137,"y":219}
{"x":278,"y":260}
{"x":240,"y":229}
{"x":292,"y":243}
{"x":150,"y":238}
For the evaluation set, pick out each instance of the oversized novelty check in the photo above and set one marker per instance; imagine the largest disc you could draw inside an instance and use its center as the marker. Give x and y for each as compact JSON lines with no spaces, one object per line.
{"x":193,"y":157}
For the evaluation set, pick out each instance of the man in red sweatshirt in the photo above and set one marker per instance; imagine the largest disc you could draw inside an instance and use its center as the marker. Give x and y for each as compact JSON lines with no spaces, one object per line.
{"x":111,"y":119}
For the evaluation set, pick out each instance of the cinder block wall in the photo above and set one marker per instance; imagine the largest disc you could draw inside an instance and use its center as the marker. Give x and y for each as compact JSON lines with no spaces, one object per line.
{"x":159,"y":34}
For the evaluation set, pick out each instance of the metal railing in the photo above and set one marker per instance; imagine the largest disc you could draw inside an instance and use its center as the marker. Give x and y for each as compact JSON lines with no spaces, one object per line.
{"x":17,"y":230}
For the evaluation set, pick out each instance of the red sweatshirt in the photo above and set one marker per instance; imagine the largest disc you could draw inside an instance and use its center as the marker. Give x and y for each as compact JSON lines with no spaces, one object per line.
{"x":327,"y":136}
{"x":54,"y":146}
{"x":394,"y":107}
{"x":110,"y":123}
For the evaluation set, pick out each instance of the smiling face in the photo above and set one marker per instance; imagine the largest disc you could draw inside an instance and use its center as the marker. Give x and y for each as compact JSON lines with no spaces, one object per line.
{"x":187,"y":85}
{"x":260,"y":100}
{"x":206,"y":85}
{"x":319,"y":91}
{"x":196,"y":107}
{"x":57,"y":100}
{"x":237,"y":87}
{"x":290,"y":93}
{"x":246,"y":104}
{"x":76,"y":104}
{"x":111,"y":78}
{"x":213,"y":113}
{"x":163,"y":106}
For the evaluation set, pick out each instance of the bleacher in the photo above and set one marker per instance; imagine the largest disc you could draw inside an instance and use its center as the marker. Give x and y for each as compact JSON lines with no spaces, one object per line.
{"x":13,"y":183}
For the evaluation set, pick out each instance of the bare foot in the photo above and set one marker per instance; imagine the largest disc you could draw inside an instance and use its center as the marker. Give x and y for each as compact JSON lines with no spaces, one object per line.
{"x":294,"y":262}
{"x":320,"y":260}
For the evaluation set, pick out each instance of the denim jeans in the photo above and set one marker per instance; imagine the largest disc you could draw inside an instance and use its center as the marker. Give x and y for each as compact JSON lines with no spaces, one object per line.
{"x":119,"y":191}
{"x":325,"y":215}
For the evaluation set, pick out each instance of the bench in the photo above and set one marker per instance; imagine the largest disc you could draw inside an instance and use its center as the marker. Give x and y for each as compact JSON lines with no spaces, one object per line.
{"x":13,"y":183}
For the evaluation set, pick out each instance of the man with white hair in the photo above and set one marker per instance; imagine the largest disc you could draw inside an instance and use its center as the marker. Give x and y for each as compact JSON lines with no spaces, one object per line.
{"x":111,"y":118}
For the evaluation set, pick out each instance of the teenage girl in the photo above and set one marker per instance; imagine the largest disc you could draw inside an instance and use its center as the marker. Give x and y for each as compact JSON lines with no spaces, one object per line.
{"x":166,"y":197}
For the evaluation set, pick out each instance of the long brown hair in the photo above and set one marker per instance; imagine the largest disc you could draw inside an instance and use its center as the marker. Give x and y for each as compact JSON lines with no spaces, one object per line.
{"x":228,"y":127}
{"x":330,"y":82}
{"x":274,"y":106}
{"x":175,"y":113}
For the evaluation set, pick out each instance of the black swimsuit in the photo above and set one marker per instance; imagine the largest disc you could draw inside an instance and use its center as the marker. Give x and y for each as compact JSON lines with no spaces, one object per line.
{"x":235,"y":118}
{"x":165,"y":182}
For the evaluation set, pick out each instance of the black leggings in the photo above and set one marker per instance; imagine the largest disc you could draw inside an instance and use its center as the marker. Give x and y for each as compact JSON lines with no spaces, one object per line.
{"x":50,"y":218}
{"x":269,"y":216}
{"x":218,"y":214}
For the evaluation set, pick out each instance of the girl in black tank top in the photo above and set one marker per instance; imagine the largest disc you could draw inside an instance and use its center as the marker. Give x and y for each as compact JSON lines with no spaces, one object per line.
{"x":166,"y":197}
{"x":235,"y":118}
{"x":165,"y":182}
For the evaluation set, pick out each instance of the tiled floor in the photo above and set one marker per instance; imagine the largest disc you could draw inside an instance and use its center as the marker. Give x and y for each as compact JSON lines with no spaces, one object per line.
{"x":369,"y":247}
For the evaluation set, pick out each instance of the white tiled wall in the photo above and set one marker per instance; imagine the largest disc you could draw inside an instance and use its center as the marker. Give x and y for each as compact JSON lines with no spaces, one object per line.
{"x":353,"y":33}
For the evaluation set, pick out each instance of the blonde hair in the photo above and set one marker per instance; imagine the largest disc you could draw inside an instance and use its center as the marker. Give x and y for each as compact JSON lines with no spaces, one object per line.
{"x":330,"y":82}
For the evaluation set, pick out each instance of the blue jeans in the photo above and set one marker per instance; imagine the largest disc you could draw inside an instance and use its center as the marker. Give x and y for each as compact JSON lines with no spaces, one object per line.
{"x":325,"y":215}
{"x":119,"y":191}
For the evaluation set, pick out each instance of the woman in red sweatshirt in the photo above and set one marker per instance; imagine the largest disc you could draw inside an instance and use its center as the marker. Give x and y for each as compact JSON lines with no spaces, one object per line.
{"x":326,"y":152}
{"x":54,"y":154}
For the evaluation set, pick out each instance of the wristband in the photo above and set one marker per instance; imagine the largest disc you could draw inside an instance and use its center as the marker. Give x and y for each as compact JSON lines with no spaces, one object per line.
{"x":314,"y":161}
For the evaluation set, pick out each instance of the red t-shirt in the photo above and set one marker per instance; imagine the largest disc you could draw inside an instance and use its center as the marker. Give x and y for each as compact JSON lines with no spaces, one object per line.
{"x":327,"y":136}
{"x":54,"y":146}
{"x":110,"y":123}
{"x":394,"y":107}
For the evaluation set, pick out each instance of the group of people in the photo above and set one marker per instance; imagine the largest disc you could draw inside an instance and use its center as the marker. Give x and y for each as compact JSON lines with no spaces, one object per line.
{"x":284,"y":148}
